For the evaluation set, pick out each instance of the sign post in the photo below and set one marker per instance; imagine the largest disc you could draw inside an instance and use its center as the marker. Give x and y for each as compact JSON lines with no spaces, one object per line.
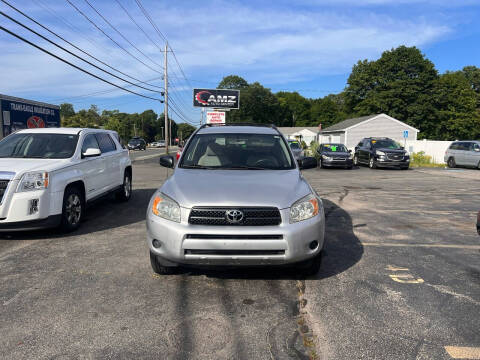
{"x":405,"y":137}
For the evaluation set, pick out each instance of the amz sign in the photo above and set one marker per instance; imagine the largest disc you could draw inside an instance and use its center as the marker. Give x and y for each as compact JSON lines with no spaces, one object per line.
{"x":216,"y":98}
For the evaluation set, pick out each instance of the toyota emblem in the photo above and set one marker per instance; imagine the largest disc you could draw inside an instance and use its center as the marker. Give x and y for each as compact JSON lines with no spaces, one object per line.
{"x":234,"y":216}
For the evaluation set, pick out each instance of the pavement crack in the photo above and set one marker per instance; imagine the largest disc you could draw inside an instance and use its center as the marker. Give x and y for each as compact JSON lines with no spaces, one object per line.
{"x":308,"y":338}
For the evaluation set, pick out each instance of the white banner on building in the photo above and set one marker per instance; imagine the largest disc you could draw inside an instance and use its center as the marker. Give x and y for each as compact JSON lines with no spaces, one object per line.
{"x":215,"y":117}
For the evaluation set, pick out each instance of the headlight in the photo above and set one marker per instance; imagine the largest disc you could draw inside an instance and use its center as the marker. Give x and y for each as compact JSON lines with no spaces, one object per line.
{"x":33,"y":181}
{"x":380,"y":153}
{"x":166,"y":208}
{"x":304,"y":209}
{"x":324,"y":157}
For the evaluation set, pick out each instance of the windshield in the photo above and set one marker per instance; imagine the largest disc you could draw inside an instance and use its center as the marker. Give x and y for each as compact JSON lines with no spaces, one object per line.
{"x":334,"y":148}
{"x":134,"y":142}
{"x":386,"y":144}
{"x":237,"y":151}
{"x":295,"y":146}
{"x":41,"y":146}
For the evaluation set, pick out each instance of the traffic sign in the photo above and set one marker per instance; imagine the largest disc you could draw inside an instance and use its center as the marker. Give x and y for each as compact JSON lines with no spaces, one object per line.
{"x":405,"y":134}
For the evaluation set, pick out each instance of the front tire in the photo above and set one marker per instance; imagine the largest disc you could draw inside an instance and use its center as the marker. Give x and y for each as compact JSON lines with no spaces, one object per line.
{"x":125,"y":193}
{"x":372,"y":164}
{"x":73,"y":209}
{"x":355,"y":160}
{"x":158,"y":268}
{"x":451,"y":163}
{"x":312,"y":266}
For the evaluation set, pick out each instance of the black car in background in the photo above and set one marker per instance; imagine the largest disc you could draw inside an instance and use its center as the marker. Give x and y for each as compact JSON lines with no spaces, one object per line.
{"x":137,"y":143}
{"x":478,"y":223}
{"x":334,"y":155}
{"x":381,"y":152}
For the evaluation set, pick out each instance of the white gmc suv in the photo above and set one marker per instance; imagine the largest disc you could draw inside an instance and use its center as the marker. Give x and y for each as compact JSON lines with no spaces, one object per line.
{"x":48,"y":175}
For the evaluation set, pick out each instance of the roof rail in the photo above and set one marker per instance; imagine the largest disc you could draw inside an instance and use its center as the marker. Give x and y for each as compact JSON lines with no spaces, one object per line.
{"x":240,"y":124}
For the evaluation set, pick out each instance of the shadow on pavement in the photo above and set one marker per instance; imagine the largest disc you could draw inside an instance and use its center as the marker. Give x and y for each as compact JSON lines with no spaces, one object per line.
{"x":103,"y":214}
{"x":342,"y":248}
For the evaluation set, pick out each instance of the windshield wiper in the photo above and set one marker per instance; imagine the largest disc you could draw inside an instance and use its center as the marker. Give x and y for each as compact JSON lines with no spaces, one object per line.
{"x":199,"y":167}
{"x":244,"y":168}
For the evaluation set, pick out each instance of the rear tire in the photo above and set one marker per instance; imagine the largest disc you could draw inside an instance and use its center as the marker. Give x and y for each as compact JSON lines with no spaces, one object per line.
{"x":125,"y":193}
{"x":73,"y":209}
{"x":451,"y":163}
{"x":158,"y":268}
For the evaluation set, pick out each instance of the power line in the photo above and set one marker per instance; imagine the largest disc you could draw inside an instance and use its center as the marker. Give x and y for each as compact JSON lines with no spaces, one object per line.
{"x":108,"y":36}
{"x":73,"y":54}
{"x":72,"y":98}
{"x":138,"y":26}
{"x":119,"y":33}
{"x":145,"y":13}
{"x":75,"y":66}
{"x":74,"y":46}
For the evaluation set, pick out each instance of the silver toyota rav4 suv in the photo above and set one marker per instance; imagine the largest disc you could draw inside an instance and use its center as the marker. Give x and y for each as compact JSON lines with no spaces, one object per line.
{"x":236,"y":198}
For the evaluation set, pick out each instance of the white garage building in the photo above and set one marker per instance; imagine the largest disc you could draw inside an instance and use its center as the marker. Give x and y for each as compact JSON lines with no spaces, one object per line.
{"x":307,"y":134}
{"x":351,"y":131}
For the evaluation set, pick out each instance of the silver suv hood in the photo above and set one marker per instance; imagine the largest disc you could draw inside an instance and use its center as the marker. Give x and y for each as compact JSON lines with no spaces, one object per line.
{"x":279,"y":188}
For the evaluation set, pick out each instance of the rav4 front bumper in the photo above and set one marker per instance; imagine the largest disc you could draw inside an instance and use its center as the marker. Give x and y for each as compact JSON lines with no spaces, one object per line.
{"x":183,"y":243}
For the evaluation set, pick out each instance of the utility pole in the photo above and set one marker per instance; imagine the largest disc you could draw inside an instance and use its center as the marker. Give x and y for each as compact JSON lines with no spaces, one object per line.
{"x":165,"y":76}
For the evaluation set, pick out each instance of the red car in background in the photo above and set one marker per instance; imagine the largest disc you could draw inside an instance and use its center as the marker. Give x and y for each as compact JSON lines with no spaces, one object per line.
{"x":179,"y":152}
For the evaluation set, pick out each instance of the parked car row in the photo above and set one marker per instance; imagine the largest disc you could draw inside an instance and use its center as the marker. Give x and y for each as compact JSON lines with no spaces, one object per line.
{"x":372,"y":152}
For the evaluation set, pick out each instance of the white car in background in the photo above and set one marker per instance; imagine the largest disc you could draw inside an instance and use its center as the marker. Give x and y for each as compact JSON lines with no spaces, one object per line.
{"x":48,"y":175}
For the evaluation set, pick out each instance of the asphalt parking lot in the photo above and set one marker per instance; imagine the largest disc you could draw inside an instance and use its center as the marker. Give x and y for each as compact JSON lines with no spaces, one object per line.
{"x":400,"y":280}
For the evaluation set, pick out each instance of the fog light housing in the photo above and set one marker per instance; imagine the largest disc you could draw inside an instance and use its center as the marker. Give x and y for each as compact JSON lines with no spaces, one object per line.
{"x":156,"y":244}
{"x":313,"y":245}
{"x":33,"y":207}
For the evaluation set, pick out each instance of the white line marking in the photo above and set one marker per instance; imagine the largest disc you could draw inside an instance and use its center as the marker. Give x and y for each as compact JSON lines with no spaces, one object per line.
{"x":463,"y":352}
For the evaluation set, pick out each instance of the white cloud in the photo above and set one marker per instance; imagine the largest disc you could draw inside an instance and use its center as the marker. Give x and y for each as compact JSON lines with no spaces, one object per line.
{"x":275,"y":45}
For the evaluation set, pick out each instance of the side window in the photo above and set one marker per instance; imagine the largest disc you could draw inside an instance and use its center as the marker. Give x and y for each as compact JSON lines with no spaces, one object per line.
{"x":464,"y":146}
{"x":367,"y":144}
{"x":454,"y":146}
{"x":90,"y":142}
{"x":360,"y":144}
{"x":105,"y":142}
{"x":475,"y":147}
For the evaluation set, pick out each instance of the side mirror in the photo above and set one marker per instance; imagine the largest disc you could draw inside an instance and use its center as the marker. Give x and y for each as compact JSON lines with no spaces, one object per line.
{"x":307,"y":163}
{"x":91,"y":152}
{"x":167,"y":161}
{"x":350,"y":151}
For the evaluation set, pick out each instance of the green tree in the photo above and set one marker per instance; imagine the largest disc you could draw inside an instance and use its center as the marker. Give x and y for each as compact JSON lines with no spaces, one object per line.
{"x":66,"y":111}
{"x":456,"y":104}
{"x":399,"y":84}
{"x":257,"y":105}
{"x":233,"y":82}
{"x":295,"y":109}
{"x":185,"y":130}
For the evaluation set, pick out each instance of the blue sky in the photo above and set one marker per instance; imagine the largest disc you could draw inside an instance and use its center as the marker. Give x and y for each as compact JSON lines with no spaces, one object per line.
{"x":304,"y":45}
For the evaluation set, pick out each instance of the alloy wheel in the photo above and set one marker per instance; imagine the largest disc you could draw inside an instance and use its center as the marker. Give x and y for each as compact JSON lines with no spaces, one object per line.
{"x":73,"y":209}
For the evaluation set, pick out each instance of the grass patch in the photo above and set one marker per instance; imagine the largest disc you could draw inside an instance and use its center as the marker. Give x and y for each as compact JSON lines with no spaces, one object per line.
{"x":421,"y":160}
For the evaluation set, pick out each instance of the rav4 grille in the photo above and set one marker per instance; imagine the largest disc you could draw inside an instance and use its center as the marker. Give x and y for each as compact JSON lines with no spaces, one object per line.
{"x":258,"y":216}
